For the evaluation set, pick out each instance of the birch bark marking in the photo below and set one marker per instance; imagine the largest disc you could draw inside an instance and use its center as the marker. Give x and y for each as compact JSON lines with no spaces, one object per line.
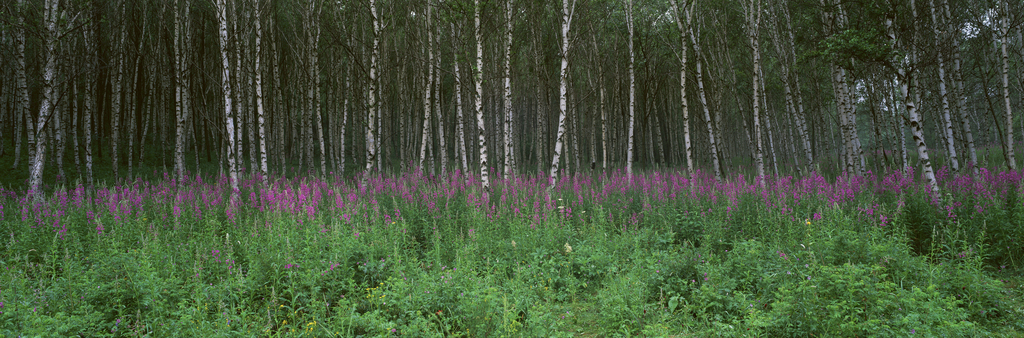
{"x":222,"y":20}
{"x":46,"y":106}
{"x":371,"y":125}
{"x":428,"y":87}
{"x":259,"y":96}
{"x":960,"y":93}
{"x":477,"y":100}
{"x":460,"y":135}
{"x":563,"y":75}
{"x":753,"y":25}
{"x":947,"y":124}
{"x":180,"y":86}
{"x":709,"y":122}
{"x":682,"y":88}
{"x":509,"y":151}
{"x":89,"y":106}
{"x":1011,"y":162}
{"x":632,"y":91}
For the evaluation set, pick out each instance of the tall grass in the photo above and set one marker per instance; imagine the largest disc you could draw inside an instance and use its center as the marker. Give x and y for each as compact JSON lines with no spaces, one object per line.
{"x":416,"y":255}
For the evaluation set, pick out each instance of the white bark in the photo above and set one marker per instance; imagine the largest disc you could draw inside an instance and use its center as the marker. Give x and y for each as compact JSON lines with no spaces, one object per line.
{"x":1011,"y":162}
{"x":947,"y":123}
{"x":563,"y":76}
{"x":709,"y":122}
{"x":222,"y":20}
{"x":509,"y":151}
{"x":460,"y":135}
{"x":371,"y":125}
{"x":89,"y":106}
{"x":478,"y":81}
{"x":180,"y":86}
{"x":632,"y":91}
{"x":753,"y":10}
{"x":428,"y":87}
{"x":259,"y":96}
{"x":46,"y":106}
{"x":961,"y":95}
{"x":682,"y":86}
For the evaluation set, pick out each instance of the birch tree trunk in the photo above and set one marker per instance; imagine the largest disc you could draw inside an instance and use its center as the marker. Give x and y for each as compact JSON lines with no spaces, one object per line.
{"x":46,"y":106}
{"x":682,"y":87}
{"x":180,"y":86}
{"x":702,"y":95}
{"x":1011,"y":161}
{"x":509,"y":151}
{"x":632,"y":91}
{"x":960,"y":93}
{"x":477,"y":100}
{"x":428,"y":90}
{"x":947,"y":123}
{"x":563,"y":75}
{"x":753,"y":10}
{"x":907,"y":82}
{"x":460,"y":135}
{"x":229,"y":118}
{"x":90,"y":91}
{"x":371,"y":125}
{"x":259,"y":95}
{"x":22,"y":98}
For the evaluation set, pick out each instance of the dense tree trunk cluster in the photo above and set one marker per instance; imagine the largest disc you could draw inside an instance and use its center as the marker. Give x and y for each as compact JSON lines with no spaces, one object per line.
{"x":319,"y":87}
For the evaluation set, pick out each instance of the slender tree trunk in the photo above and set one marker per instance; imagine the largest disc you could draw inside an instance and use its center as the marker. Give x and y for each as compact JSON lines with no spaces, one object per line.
{"x":947,"y":123}
{"x":180,"y":86}
{"x":1011,"y":162}
{"x":702,"y":95}
{"x":259,"y":95}
{"x":753,"y":22}
{"x":690,"y":165}
{"x":428,"y":89}
{"x":460,"y":135}
{"x":46,"y":106}
{"x":478,"y":81}
{"x":563,"y":76}
{"x":229,"y":118}
{"x":21,"y":95}
{"x":371,"y":126}
{"x":89,"y":94}
{"x":509,"y":150}
{"x":632,"y":91}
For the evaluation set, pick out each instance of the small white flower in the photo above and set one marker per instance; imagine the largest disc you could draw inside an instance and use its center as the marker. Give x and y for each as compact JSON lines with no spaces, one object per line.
{"x":568,"y":248}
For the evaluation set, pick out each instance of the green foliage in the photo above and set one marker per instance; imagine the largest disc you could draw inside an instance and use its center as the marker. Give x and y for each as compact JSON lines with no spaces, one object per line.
{"x":624,"y":267}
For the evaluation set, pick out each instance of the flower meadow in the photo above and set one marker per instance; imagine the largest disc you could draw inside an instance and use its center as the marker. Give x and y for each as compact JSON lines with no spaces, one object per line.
{"x":410,"y":254}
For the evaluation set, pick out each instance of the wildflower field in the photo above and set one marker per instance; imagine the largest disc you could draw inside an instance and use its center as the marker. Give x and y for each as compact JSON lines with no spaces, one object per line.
{"x":595,"y":255}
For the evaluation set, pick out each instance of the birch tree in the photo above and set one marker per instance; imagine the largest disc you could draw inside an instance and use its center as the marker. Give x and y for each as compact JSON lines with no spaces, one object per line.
{"x":907,"y":82}
{"x":713,"y":140}
{"x":478,"y":81}
{"x":428,"y":89}
{"x":460,"y":136}
{"x":753,"y":13}
{"x":371,"y":125}
{"x":682,"y":86}
{"x":632,"y":90}
{"x":509,"y":151}
{"x":563,"y":77}
{"x":181,"y":90}
{"x":947,"y":124}
{"x":46,"y":106}
{"x":259,"y":93}
{"x":1004,"y":30}
{"x":229,"y":118}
